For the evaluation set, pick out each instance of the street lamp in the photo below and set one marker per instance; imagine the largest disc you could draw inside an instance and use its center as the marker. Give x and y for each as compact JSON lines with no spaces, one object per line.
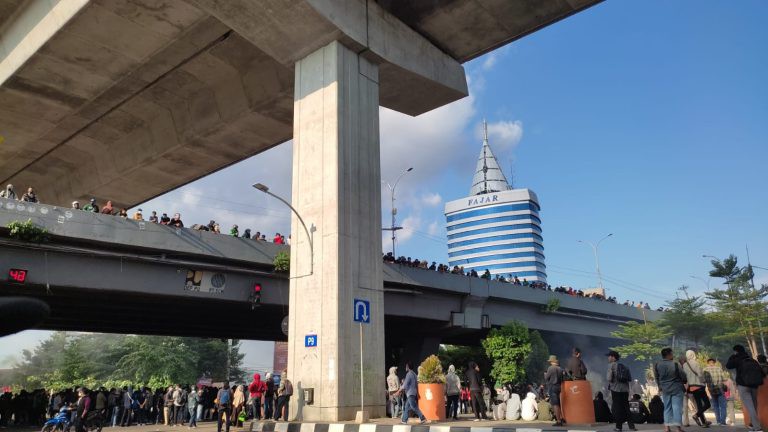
{"x":394,"y":228}
{"x":597,"y":259}
{"x":310,"y":231}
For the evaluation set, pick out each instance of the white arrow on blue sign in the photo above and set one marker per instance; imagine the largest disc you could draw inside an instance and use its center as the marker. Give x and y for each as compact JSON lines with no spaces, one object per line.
{"x":362,"y":312}
{"x":310,"y":341}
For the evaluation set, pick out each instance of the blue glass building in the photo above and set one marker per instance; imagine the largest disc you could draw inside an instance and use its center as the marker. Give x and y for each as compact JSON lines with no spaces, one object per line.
{"x":496,"y":227}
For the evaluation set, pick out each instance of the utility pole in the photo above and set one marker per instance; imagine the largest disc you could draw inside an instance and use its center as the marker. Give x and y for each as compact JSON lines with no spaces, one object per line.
{"x":752,"y":281}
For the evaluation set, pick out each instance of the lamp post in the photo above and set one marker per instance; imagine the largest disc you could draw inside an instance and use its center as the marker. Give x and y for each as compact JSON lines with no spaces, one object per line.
{"x":595,"y":246}
{"x":310,"y":231}
{"x":394,"y":228}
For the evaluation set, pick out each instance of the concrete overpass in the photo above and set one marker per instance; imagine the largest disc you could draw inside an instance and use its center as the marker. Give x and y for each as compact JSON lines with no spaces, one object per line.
{"x":109,"y":274}
{"x":126,"y":99}
{"x":176,"y":91}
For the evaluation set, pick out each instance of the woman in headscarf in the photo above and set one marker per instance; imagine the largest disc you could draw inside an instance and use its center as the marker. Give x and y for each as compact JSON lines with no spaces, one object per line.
{"x":696,"y":388}
{"x":238,"y":401}
{"x":107,"y":209}
{"x":8,"y":193}
{"x":529,"y":407}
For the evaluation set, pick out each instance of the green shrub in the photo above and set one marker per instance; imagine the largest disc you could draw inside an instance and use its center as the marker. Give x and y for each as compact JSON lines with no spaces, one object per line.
{"x":431,"y":371}
{"x":552,"y":305}
{"x":27,"y":231}
{"x":282,"y":262}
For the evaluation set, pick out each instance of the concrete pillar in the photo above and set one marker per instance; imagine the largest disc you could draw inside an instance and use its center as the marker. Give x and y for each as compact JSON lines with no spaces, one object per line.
{"x":336,"y":187}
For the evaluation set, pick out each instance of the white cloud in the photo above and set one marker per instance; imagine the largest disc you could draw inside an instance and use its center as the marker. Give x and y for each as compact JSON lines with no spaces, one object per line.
{"x":505,"y":135}
{"x":434,"y":228}
{"x":410,"y":225}
{"x":490,"y":61}
{"x":431,"y":199}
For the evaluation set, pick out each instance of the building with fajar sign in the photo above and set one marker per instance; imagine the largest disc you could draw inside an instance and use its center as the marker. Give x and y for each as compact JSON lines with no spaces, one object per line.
{"x":496,"y":228}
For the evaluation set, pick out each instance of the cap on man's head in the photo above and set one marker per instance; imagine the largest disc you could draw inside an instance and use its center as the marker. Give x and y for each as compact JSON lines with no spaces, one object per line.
{"x":613,"y":354}
{"x":93,"y":199}
{"x":552,"y":359}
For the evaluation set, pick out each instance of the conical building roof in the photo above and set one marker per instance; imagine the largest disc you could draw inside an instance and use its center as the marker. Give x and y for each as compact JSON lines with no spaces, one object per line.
{"x":488,"y":177}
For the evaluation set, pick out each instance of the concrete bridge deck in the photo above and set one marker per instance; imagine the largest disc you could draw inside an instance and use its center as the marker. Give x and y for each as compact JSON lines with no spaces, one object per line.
{"x":106,"y":273}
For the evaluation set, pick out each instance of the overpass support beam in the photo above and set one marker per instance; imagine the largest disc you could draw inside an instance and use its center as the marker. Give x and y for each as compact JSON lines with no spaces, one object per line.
{"x":336,"y":186}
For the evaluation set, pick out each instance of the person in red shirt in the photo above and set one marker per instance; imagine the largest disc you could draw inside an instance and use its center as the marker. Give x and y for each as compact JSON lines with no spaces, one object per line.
{"x":278,"y":239}
{"x":256,"y":390}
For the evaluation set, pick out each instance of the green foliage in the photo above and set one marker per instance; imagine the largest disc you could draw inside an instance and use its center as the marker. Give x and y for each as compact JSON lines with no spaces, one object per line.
{"x":431,"y":371}
{"x":27,"y":231}
{"x":645,"y":340}
{"x":460,"y":356}
{"x":282,"y":262}
{"x":740,"y":302}
{"x":537,"y":360}
{"x":553,"y":304}
{"x":687,"y":319}
{"x":65,"y":360}
{"x":508,"y":348}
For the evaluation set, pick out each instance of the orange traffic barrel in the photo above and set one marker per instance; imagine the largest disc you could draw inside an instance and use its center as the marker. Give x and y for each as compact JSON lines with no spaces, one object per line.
{"x":576,"y":402}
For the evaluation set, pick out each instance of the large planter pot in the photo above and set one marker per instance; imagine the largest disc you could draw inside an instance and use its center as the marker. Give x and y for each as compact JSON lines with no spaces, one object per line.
{"x":576,"y":402}
{"x":432,"y":401}
{"x":762,"y":405}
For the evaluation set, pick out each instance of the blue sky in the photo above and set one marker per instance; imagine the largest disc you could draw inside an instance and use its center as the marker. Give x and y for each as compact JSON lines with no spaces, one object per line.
{"x":646,"y":119}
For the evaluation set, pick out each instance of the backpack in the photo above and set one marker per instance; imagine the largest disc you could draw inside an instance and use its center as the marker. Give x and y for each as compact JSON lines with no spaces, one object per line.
{"x":224,"y":399}
{"x":622,"y":374}
{"x":750,"y":373}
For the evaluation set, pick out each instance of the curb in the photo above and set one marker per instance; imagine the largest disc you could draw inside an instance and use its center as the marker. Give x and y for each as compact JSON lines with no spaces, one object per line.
{"x":270,"y":426}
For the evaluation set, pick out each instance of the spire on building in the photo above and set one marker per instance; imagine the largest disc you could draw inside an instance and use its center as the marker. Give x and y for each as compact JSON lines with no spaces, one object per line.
{"x":488,"y":177}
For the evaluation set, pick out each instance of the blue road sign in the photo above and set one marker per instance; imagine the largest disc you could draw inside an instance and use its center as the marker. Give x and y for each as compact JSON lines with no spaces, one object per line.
{"x":310,"y":341}
{"x":362,"y":313}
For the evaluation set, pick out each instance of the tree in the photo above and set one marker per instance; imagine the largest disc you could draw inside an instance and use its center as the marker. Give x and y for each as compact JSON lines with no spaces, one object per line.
{"x":537,"y":360}
{"x":508,"y":348}
{"x":67,"y":360}
{"x":686,"y":318}
{"x":740,"y":301}
{"x":645,"y":339}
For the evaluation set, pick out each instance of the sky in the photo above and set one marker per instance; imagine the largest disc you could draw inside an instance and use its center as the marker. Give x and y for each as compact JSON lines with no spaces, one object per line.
{"x":644,"y":119}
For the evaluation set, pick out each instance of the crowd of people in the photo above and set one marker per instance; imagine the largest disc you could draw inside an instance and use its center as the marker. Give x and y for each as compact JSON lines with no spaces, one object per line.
{"x":138,"y":215}
{"x":177,"y":405}
{"x":678,"y":391}
{"x":389,"y":258}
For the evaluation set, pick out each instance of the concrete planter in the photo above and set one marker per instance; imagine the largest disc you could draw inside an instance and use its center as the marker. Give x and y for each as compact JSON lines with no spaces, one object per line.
{"x":432,"y":401}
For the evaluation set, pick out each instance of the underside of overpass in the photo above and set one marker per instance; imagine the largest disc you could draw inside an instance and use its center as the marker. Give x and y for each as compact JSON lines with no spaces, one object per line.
{"x":128,"y":100}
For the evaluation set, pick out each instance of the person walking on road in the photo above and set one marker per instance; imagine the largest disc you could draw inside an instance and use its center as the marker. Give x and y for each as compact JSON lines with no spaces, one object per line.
{"x":671,"y":379}
{"x":393,"y":386}
{"x":553,"y":378}
{"x":410,"y":388}
{"x":476,"y":391}
{"x":224,"y":406}
{"x":694,"y":377}
{"x":714,"y":380}
{"x":618,"y":378}
{"x":749,"y":376}
{"x":452,"y":392}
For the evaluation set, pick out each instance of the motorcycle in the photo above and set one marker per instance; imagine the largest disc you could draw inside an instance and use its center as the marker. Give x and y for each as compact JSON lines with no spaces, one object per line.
{"x":58,"y":423}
